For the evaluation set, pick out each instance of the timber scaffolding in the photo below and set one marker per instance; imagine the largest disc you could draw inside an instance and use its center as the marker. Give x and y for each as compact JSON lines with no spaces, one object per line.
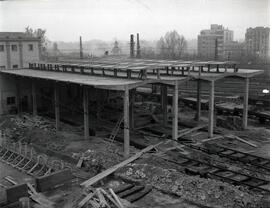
{"x":127,"y":74}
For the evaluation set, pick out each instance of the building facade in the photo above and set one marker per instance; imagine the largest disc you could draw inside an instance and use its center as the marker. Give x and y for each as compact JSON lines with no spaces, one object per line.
{"x":257,"y":42}
{"x":17,"y":49}
{"x":211,"y":42}
{"x":234,"y":51}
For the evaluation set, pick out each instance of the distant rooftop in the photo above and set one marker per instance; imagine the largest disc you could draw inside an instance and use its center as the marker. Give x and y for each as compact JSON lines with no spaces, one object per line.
{"x":16,"y":36}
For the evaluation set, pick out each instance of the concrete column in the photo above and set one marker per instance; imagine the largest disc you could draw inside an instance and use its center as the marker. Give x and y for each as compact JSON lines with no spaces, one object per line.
{"x":21,"y":54}
{"x":198,"y":114}
{"x":126,"y":123}
{"x":245,"y":104}
{"x":8,"y":55}
{"x":18,"y":96}
{"x":211,"y":109}
{"x":56,"y":106}
{"x":39,"y":50}
{"x":34,"y":98}
{"x":131,"y":108}
{"x":86,"y":112}
{"x":164,"y":104}
{"x":175,"y":113}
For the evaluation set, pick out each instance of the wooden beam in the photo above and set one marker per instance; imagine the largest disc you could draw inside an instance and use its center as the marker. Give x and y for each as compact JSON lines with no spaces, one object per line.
{"x":56,"y":106}
{"x":175,"y":113}
{"x":164,"y":103}
{"x":86,"y":112}
{"x":191,"y":130}
{"x":109,"y":171}
{"x":211,"y":109}
{"x":245,"y":104}
{"x":34,"y":98}
{"x":126,"y":123}
{"x":198,"y":114}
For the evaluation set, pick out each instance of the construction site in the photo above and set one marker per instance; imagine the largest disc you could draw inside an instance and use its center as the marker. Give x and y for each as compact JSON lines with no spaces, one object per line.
{"x":132,"y":132}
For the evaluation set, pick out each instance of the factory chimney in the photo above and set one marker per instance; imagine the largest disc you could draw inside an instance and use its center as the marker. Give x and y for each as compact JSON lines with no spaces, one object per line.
{"x":81,"y":48}
{"x":138,"y":46}
{"x":132,"y":46}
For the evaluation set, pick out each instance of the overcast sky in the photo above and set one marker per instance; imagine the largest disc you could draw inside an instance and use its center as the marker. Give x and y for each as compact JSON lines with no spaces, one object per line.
{"x":109,"y":19}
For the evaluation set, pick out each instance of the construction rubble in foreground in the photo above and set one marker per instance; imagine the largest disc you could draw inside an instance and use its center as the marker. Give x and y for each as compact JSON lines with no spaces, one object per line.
{"x":151,"y":177}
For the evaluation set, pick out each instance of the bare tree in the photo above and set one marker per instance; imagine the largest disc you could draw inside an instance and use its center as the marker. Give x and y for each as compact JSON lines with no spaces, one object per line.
{"x":172,"y":45}
{"x":41,"y":34}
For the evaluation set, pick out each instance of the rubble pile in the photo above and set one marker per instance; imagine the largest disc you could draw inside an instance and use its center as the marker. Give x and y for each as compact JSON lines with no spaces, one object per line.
{"x":207,"y":192}
{"x":96,"y":161}
{"x":34,"y":129}
{"x":230,"y":122}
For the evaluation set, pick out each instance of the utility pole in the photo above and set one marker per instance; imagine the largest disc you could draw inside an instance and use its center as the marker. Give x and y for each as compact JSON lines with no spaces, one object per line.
{"x":138,"y":46}
{"x":81,"y":48}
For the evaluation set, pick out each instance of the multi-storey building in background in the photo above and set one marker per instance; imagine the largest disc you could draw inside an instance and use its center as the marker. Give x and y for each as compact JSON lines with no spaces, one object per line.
{"x":17,"y":49}
{"x":257,"y":42}
{"x":211,"y":42}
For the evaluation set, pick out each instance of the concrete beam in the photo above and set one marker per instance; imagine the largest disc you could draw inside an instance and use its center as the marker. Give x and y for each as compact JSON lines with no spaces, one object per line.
{"x":211,"y":109}
{"x":175,"y":113}
{"x":34,"y":98}
{"x":164,"y":103}
{"x":245,"y":104}
{"x":126,"y":124}
{"x":86,"y":112}
{"x":56,"y":106}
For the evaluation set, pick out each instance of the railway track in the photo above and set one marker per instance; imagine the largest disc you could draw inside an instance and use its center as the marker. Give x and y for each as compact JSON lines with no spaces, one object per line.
{"x":206,"y":170}
{"x":235,"y":155}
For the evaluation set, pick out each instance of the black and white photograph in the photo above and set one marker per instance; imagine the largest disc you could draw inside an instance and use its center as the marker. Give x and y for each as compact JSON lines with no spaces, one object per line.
{"x":134,"y":103}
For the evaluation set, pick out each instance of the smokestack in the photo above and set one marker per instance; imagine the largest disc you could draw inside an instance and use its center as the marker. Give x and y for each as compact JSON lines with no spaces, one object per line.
{"x":81,"y":48}
{"x":132,"y":46}
{"x":138,"y":46}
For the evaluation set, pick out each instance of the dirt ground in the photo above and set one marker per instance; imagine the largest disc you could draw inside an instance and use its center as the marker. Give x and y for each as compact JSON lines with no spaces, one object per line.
{"x":172,"y":187}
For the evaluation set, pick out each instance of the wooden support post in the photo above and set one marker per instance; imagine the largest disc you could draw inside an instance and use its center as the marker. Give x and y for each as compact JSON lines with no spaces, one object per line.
{"x":86,"y":112}
{"x":164,"y":100}
{"x":175,"y":113}
{"x":245,"y":104}
{"x":211,"y":109}
{"x":198,"y":114}
{"x":56,"y":106}
{"x":126,"y":123}
{"x":34,"y":98}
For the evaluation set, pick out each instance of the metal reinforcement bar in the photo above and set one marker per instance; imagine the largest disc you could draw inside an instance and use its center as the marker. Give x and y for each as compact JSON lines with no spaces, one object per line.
{"x":204,"y":169}
{"x":24,"y":158}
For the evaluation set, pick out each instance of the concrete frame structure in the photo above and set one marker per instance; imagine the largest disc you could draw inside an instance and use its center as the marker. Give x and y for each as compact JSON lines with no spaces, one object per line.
{"x":126,"y":75}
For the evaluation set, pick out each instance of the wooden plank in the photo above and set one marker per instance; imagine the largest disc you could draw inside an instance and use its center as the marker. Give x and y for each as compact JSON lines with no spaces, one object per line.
{"x":192,"y":130}
{"x":212,"y":138}
{"x":86,"y":199}
{"x":11,"y":180}
{"x":109,"y":171}
{"x":116,"y":198}
{"x":241,"y":140}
